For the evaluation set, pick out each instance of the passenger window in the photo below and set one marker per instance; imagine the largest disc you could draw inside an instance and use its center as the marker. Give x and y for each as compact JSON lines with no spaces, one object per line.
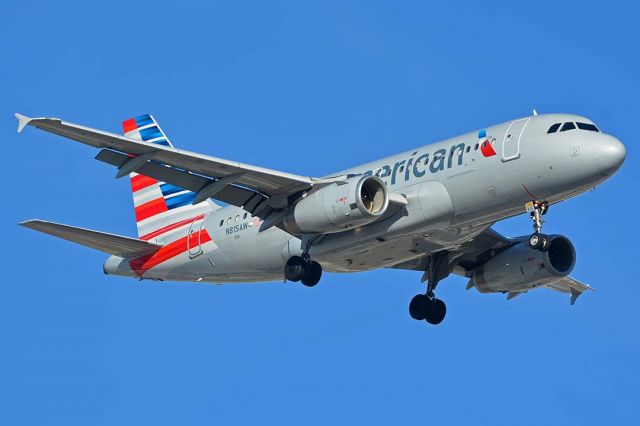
{"x":237,"y":217}
{"x":568,"y":126}
{"x":229,"y":221}
{"x":244,"y":216}
{"x":221,"y":222}
{"x":554,"y":128}
{"x":587,"y":126}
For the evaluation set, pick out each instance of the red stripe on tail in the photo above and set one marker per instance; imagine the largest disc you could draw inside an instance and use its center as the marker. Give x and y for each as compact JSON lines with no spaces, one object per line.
{"x":140,"y":182}
{"x":129,"y":125}
{"x":151,"y":208}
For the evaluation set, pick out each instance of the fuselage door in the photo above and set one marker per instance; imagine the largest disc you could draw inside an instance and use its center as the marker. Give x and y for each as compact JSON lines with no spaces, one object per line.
{"x":193,"y":238}
{"x":511,"y":141}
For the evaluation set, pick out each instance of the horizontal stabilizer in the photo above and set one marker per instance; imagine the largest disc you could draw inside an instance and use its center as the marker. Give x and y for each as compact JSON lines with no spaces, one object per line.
{"x":109,"y":243}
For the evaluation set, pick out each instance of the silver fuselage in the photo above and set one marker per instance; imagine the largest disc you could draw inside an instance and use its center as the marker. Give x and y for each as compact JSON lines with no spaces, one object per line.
{"x":455,"y":189}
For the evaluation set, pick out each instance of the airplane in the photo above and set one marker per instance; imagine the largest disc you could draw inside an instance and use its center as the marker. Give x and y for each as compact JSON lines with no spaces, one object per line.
{"x":429,"y":209}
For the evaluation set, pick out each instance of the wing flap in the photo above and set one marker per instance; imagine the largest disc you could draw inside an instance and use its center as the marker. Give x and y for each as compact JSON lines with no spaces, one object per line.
{"x":109,"y":243}
{"x":230,"y":194}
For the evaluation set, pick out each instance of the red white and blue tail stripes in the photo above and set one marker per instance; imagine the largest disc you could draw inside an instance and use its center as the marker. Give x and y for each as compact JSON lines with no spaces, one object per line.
{"x":145,"y":128}
{"x":159,"y":205}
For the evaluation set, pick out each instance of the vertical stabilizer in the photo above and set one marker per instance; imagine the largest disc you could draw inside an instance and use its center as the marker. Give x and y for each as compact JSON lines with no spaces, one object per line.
{"x":161,"y":208}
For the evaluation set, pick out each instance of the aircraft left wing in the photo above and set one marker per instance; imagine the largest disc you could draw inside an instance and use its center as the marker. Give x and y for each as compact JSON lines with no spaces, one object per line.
{"x":259,"y":190}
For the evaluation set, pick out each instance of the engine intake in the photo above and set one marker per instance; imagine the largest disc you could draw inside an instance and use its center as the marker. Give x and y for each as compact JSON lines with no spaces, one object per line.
{"x":520,"y":267}
{"x":342,"y":205}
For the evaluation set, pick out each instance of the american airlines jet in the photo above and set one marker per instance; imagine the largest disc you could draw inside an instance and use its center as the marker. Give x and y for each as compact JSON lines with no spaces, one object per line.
{"x":429,"y":209}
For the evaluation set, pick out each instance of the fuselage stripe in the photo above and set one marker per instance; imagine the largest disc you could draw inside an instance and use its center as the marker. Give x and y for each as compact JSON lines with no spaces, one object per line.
{"x":170,"y":227}
{"x":141,"y":264}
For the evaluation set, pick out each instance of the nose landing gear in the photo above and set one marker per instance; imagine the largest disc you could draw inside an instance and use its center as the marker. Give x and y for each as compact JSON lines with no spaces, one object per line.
{"x":538,"y":240}
{"x":303,"y":269}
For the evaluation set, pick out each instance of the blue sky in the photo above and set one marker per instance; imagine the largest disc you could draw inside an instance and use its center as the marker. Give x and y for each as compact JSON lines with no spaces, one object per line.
{"x":308,"y":88}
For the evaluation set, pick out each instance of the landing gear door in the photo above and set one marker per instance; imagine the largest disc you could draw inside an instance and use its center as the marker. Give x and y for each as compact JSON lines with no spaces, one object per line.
{"x":193,"y":238}
{"x":511,"y":141}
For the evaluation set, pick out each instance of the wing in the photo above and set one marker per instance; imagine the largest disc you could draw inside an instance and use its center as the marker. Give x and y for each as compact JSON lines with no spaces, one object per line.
{"x":480,"y":248}
{"x":257,"y":189}
{"x":474,"y":252}
{"x":109,"y":243}
{"x":569,"y":285}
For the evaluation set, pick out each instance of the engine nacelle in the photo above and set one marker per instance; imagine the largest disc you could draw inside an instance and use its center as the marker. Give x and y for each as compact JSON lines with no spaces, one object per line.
{"x":334,"y":208}
{"x":520,"y":268}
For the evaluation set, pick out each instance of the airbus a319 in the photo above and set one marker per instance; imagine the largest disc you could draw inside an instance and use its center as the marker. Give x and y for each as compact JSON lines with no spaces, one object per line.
{"x":429,"y":209}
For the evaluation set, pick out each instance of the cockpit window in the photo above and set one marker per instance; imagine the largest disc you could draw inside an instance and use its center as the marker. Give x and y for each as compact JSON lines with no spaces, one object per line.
{"x":568,"y":126}
{"x":554,"y":128}
{"x":587,"y":126}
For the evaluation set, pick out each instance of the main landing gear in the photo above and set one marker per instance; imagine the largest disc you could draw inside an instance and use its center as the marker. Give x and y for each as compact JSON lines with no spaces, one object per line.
{"x":538,"y":240}
{"x":426,"y":306}
{"x":303,"y":269}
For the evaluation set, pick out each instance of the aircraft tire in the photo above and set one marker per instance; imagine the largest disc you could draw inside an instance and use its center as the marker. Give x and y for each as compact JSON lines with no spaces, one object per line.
{"x":294,"y":269}
{"x":436,"y":312}
{"x":418,"y":307}
{"x":535,"y":240}
{"x":544,"y":242}
{"x":312,"y":274}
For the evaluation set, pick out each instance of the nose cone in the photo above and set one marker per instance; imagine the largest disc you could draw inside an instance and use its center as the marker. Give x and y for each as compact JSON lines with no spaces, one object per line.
{"x":611,"y":154}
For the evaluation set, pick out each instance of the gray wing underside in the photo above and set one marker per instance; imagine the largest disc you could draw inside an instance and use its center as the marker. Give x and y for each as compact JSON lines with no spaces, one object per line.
{"x":262,"y":192}
{"x":256,"y":189}
{"x":469,"y":255}
{"x":569,"y":285}
{"x":117,"y":245}
{"x":481,"y":248}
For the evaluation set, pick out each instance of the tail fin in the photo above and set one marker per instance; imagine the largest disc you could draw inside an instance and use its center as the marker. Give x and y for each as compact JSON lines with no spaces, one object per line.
{"x":161,"y":208}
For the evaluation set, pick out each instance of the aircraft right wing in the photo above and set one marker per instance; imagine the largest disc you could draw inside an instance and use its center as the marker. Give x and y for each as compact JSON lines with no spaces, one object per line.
{"x":479,"y":249}
{"x":569,"y":285}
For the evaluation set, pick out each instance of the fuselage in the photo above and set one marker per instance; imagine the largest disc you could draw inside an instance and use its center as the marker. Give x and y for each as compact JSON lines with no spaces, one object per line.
{"x":455,"y":189}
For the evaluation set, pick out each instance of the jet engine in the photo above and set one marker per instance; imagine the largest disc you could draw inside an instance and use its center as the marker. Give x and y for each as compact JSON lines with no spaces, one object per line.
{"x":342,"y":205}
{"x":520,"y":268}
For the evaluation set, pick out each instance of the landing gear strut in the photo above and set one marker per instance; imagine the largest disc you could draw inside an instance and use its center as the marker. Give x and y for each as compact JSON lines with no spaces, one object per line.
{"x":538,"y":240}
{"x":426,"y":306}
{"x":303,"y":269}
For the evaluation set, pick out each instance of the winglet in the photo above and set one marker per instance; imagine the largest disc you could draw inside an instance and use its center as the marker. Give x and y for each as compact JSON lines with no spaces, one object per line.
{"x":575,"y":293}
{"x":22,"y":121}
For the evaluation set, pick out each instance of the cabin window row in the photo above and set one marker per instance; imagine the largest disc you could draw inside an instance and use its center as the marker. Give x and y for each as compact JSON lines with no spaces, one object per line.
{"x":232,"y":219}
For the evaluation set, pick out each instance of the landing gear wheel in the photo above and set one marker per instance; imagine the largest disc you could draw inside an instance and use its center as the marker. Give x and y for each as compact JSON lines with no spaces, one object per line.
{"x":312,"y":274}
{"x":294,"y":269}
{"x":535,"y":240}
{"x":418,"y":307}
{"x":545,"y":242}
{"x":539,"y":241}
{"x":436,"y":312}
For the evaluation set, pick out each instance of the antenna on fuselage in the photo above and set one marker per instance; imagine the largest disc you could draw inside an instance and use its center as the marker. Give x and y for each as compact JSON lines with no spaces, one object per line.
{"x":535,"y":112}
